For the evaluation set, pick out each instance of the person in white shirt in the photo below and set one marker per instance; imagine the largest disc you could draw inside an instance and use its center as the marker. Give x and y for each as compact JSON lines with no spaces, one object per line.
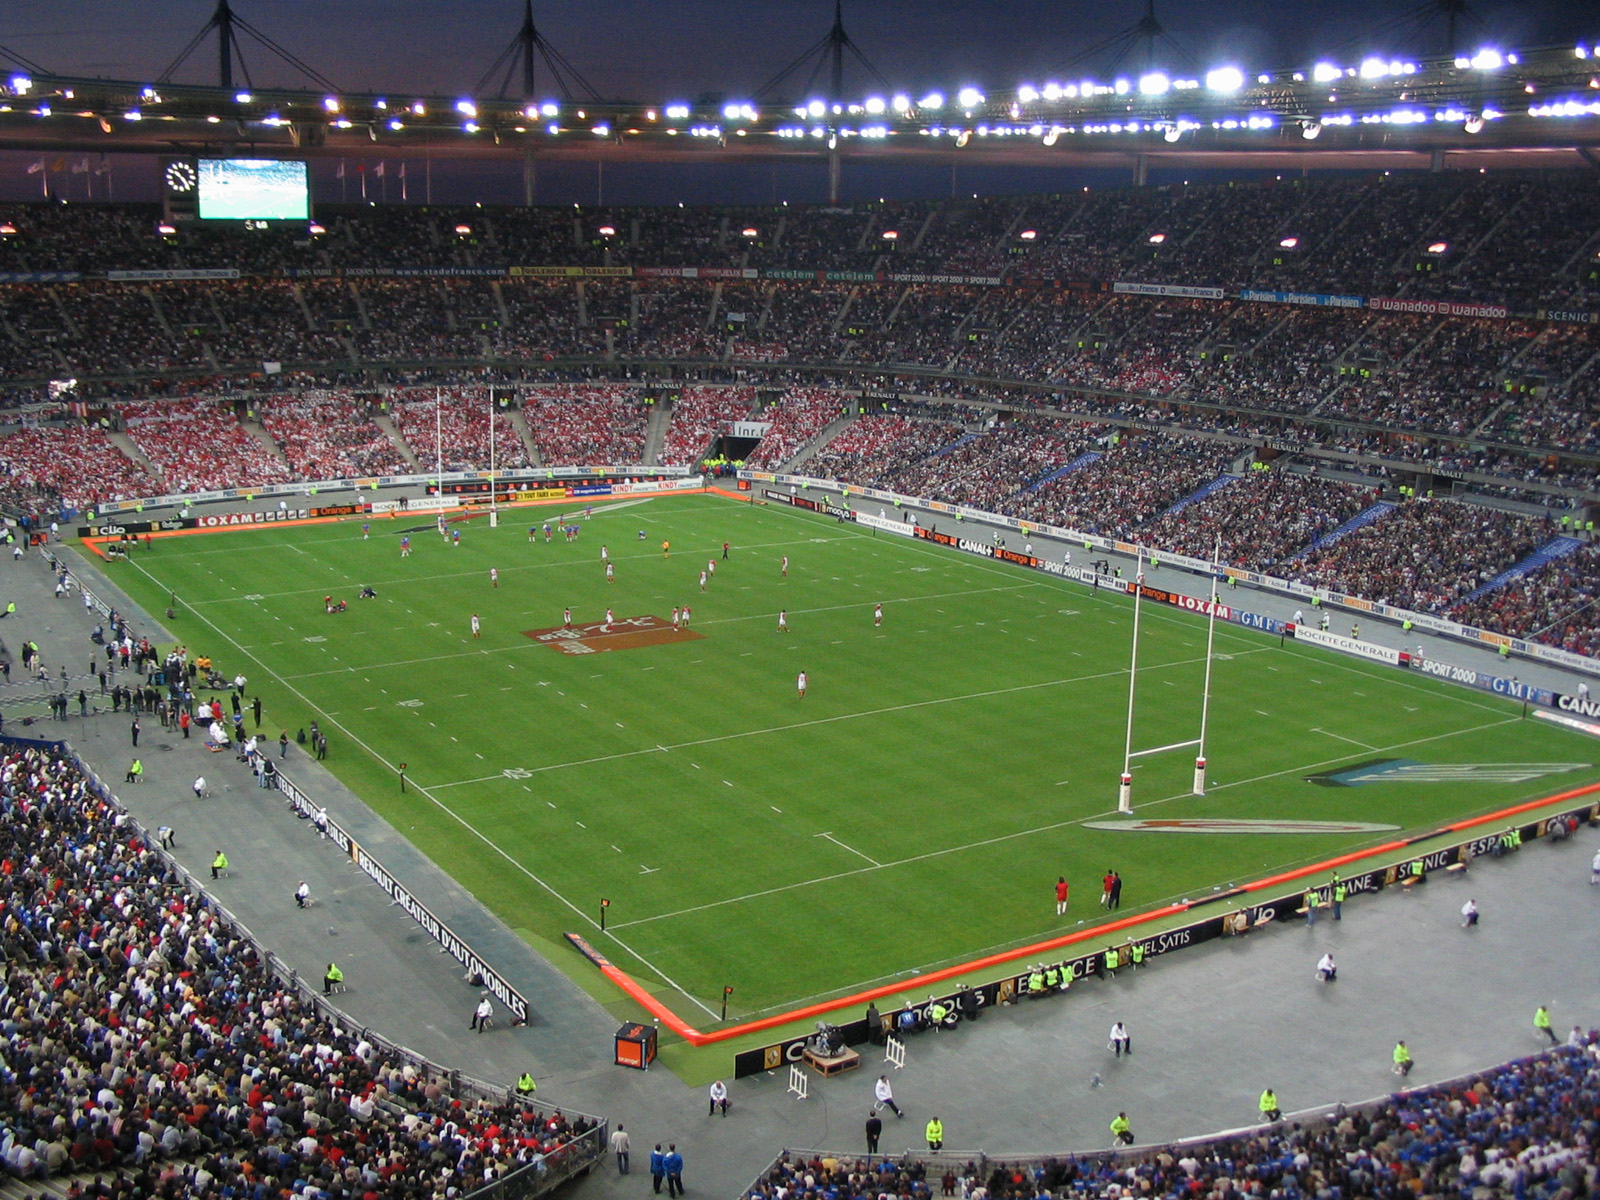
{"x":1120,"y":1041}
{"x":1326,"y":971}
{"x":1469,"y":914}
{"x":302,"y":894}
{"x":800,"y":683}
{"x":885,"y":1096}
{"x":719,"y":1098}
{"x":481,"y":1015}
{"x":199,"y":786}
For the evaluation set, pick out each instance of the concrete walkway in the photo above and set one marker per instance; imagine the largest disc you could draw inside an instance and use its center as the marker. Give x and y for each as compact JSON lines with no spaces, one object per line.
{"x":1211,"y":1027}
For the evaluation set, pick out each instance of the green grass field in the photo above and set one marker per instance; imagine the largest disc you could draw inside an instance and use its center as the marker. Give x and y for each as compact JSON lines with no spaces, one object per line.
{"x":912,"y":811}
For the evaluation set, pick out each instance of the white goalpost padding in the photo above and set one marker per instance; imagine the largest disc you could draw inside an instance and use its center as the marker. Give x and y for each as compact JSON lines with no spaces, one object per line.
{"x":1125,"y":785}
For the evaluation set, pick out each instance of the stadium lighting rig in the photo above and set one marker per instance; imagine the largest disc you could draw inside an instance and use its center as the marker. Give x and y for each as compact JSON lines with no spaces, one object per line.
{"x":1488,"y":95}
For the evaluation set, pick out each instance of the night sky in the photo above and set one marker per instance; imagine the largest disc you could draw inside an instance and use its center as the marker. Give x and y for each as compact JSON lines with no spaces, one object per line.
{"x":659,"y":52}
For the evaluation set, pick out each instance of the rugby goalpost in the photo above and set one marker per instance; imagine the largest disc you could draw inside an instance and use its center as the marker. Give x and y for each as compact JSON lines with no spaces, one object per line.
{"x":1125,"y":787}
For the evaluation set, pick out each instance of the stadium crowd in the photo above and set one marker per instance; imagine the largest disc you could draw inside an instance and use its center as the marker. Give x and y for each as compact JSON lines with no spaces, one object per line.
{"x":1524,"y":1129}
{"x":148,"y":1044}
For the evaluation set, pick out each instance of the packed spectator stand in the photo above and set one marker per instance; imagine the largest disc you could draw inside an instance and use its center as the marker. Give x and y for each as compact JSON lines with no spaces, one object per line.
{"x":150,"y":1043}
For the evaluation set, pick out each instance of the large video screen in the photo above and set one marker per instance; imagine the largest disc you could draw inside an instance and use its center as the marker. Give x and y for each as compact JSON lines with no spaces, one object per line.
{"x":253,"y":189}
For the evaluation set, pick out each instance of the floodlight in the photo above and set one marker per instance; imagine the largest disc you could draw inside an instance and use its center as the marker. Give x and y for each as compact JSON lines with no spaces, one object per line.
{"x":243,"y":97}
{"x":1157,"y":238}
{"x":1289,"y":243}
{"x":901,"y":103}
{"x":470,"y":126}
{"x":750,"y":232}
{"x":969,"y":97}
{"x":1488,"y":60}
{"x":20,"y":84}
{"x":1438,"y":247}
{"x":163,"y":230}
{"x":466,"y":108}
{"x":876,"y":105}
{"x":1154,"y":84}
{"x":932,"y":100}
{"x":330,"y":103}
{"x":1325,"y":72}
{"x":1052,"y":91}
{"x":1027,"y":94}
{"x":1225,"y":79}
{"x":1028,"y":235}
{"x":315,"y":229}
{"x":1122,"y":87}
{"x":890,"y":235}
{"x":396,"y":124}
{"x":1373,"y":68}
{"x":1580,"y":52}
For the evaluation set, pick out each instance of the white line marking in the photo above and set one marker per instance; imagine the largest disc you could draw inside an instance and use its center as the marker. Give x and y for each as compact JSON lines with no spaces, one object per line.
{"x":1342,"y":738}
{"x":871,"y":712}
{"x":852,"y":849}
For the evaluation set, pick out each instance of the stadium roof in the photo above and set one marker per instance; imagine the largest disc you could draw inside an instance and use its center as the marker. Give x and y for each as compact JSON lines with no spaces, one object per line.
{"x":1539,"y":107}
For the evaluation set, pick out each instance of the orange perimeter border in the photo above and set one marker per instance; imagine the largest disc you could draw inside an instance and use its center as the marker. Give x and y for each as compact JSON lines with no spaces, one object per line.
{"x":696,"y":1038}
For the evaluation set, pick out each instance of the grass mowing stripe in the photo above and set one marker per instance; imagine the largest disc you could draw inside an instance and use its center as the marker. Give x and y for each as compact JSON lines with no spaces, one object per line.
{"x":1022,"y":833}
{"x":876,"y":712}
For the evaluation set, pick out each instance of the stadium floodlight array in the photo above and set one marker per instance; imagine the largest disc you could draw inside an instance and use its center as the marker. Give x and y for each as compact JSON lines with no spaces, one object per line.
{"x":1125,"y":785}
{"x":1460,"y":92}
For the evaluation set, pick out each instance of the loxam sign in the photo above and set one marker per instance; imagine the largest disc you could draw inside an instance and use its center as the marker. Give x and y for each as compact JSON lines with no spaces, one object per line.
{"x":1405,"y":770}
